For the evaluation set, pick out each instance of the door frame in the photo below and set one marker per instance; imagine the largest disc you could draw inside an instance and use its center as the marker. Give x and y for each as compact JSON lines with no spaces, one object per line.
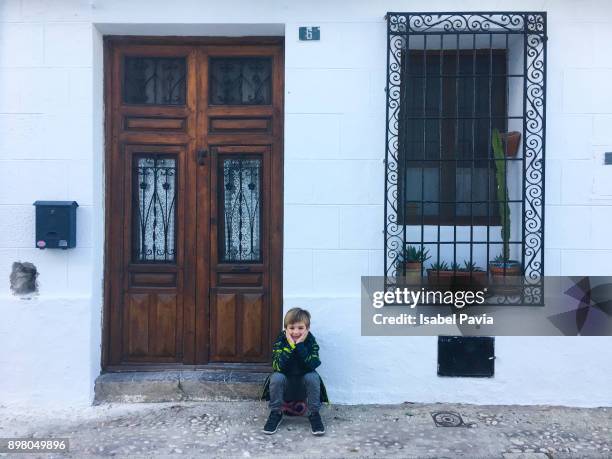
{"x":276,"y":201}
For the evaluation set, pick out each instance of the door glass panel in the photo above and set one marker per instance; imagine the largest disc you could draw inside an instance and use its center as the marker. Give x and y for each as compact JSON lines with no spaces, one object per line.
{"x":154,"y":208}
{"x":240,"y":209}
{"x":154,"y":80}
{"x":241,"y":81}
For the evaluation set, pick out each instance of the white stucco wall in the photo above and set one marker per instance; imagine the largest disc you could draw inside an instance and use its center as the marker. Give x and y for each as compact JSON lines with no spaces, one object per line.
{"x":51,"y":147}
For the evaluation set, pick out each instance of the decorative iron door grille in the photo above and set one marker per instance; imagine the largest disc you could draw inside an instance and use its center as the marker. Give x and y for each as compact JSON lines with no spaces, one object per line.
{"x":465,"y":140}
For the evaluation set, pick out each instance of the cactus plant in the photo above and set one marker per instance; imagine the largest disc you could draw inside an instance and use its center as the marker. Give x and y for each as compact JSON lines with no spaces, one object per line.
{"x":502,"y":192}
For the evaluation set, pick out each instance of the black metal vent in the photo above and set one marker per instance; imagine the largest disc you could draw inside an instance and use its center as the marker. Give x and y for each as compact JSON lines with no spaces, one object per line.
{"x":466,"y":356}
{"x":465,"y":143}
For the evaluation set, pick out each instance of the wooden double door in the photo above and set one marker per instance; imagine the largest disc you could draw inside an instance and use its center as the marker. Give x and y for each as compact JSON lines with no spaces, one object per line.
{"x":193,"y":266}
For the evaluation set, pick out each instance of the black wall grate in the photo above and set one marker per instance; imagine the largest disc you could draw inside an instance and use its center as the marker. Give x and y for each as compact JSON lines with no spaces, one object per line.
{"x":466,"y":356}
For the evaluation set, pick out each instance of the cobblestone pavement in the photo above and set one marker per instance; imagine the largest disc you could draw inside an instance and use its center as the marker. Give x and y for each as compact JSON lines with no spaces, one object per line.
{"x":233,"y":429}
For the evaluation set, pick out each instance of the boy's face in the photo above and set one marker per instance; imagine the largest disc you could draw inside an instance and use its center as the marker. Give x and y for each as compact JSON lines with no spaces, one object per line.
{"x":296,"y":330}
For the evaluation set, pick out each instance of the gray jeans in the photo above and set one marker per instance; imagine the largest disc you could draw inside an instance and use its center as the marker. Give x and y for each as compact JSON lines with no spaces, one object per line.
{"x":279,"y":384}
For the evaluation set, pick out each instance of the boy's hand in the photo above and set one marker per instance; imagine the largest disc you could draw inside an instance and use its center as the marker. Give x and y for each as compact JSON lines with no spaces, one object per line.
{"x":302,"y":338}
{"x":288,"y":336}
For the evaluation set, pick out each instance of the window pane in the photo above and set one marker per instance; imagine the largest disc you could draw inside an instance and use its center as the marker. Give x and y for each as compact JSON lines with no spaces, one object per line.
{"x":448,"y":125}
{"x":416,"y":192}
{"x":241,"y":81}
{"x":241,"y":209}
{"x":154,"y":80}
{"x":154,"y":208}
{"x":471,"y":186}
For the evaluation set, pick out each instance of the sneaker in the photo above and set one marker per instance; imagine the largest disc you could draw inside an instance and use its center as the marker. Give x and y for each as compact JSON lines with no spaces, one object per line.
{"x":273,"y":422}
{"x":316,"y":424}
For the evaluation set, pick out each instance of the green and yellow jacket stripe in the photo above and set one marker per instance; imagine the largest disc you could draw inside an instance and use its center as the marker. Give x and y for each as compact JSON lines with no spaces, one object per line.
{"x":294,"y":360}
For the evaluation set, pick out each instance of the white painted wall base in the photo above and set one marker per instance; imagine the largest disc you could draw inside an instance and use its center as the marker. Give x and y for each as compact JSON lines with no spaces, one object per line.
{"x":46,"y":356}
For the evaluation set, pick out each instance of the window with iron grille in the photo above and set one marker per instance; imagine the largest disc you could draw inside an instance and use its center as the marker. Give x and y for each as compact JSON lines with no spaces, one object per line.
{"x":465,"y":141}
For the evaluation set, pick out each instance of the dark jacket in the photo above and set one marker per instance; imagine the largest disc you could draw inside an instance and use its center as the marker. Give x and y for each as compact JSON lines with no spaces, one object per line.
{"x":294,"y":361}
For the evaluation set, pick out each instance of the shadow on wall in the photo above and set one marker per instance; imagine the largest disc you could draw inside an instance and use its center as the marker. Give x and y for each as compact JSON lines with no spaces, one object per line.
{"x":23,"y":278}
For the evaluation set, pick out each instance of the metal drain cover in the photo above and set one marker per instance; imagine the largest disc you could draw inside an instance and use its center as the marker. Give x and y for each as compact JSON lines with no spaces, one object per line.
{"x":448,"y":419}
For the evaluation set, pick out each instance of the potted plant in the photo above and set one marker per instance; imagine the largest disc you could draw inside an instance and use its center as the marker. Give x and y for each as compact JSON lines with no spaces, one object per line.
{"x":410,"y":263}
{"x":474,"y":277}
{"x":512,"y":141}
{"x":501,"y":265}
{"x":464,"y":277}
{"x":439,"y":268}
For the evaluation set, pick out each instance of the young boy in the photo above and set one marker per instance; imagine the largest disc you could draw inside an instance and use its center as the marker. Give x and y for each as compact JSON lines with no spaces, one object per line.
{"x":295,"y":355}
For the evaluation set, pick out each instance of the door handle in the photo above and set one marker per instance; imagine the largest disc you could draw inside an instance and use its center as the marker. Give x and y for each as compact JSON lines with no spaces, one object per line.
{"x":202,"y":155}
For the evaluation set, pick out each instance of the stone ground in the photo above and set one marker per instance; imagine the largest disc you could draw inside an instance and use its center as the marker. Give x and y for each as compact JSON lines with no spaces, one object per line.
{"x":233,"y":429}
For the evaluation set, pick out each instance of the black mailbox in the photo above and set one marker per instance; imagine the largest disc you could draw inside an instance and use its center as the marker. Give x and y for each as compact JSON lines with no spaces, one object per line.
{"x":56,"y":224}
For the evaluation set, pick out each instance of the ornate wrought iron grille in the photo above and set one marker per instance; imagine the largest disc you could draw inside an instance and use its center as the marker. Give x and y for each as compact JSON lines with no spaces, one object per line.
{"x":241,"y":81}
{"x":154,"y":80}
{"x":241,"y":209}
{"x":154,"y":208}
{"x":454,"y":82}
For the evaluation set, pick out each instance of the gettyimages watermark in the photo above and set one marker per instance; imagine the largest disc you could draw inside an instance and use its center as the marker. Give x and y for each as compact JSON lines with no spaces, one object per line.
{"x":549,"y":306}
{"x":412,"y":297}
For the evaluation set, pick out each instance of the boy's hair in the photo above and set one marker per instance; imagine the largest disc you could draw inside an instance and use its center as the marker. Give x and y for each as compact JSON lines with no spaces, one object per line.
{"x":295,"y":315}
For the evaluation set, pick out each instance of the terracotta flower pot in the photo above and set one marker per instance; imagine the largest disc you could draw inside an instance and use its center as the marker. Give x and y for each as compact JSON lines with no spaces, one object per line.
{"x":505,"y":268}
{"x":506,"y":277}
{"x":511,"y":140}
{"x":413,"y":271}
{"x":413,"y":265}
{"x":456,"y":280}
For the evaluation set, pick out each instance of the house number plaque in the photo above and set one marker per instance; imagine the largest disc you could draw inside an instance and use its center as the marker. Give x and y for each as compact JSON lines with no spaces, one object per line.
{"x":310,"y":33}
